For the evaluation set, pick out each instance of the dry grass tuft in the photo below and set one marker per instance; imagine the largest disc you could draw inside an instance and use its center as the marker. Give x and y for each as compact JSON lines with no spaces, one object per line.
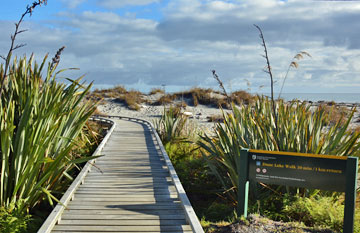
{"x":215,"y":118}
{"x":166,"y":99}
{"x":193,"y":97}
{"x":115,"y":92}
{"x":132,"y":99}
{"x":241,"y":97}
{"x":202,"y":96}
{"x":335,"y":112}
{"x":97,"y":112}
{"x":156,"y":90}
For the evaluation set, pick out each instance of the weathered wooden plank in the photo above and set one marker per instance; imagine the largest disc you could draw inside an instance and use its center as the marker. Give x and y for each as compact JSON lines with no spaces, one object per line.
{"x":120,"y":172}
{"x":139,"y":206}
{"x":128,"y":185}
{"x":123,"y":191}
{"x":124,"y":182}
{"x":157,"y":197}
{"x":137,"y":217}
{"x":129,"y":190}
{"x":123,"y":212}
{"x":167,"y":178}
{"x":120,"y":200}
{"x":122,"y":203}
{"x":125,"y":170}
{"x":62,"y":231}
{"x":129,"y":182}
{"x":131,"y":162}
{"x":116,"y":222}
{"x":123,"y":228}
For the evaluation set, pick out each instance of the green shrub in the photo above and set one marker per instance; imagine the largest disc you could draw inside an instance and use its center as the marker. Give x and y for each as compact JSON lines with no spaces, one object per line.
{"x":320,"y":211}
{"x":12,"y":220}
{"x":218,"y":211}
{"x":253,"y":127}
{"x":171,"y":125}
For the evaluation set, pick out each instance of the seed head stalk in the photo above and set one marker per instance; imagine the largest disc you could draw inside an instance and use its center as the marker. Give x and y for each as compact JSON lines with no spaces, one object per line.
{"x":29,"y":10}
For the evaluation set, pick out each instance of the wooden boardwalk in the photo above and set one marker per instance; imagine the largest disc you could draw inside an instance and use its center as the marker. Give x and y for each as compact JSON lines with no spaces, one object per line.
{"x":131,"y":190}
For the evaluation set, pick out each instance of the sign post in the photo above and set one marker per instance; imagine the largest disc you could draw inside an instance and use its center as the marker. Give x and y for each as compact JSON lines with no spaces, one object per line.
{"x":243,"y":185}
{"x":326,"y":172}
{"x":350,"y":193}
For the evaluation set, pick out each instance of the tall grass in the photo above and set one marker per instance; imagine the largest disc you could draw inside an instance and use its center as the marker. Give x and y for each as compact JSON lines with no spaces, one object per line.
{"x":40,"y":122}
{"x":253,"y":126}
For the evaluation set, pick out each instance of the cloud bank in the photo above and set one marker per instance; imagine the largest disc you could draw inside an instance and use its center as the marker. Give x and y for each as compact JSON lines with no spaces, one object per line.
{"x":194,"y":37}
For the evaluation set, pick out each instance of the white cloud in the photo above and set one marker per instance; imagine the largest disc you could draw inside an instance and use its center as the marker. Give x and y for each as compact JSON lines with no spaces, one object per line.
{"x":72,"y":3}
{"x":113,"y":4}
{"x":196,"y":36}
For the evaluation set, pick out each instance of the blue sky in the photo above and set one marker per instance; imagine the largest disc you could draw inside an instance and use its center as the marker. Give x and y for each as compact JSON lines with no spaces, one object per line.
{"x":146,"y":43}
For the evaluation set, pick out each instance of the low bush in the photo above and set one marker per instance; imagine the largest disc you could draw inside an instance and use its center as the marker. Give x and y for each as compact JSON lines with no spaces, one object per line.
{"x":299,"y":130}
{"x":318,"y":211}
{"x":13,"y":220}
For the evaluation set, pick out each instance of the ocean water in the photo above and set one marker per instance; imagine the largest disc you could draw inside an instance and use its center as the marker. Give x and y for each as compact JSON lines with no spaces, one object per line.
{"x":337,"y":97}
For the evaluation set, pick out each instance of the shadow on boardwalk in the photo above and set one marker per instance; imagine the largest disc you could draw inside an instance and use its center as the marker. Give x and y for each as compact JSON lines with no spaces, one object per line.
{"x":166,"y":206}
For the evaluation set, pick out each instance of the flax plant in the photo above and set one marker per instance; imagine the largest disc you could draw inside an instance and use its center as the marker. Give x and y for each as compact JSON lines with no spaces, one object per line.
{"x":40,"y":122}
{"x":253,"y":126}
{"x":171,"y":126}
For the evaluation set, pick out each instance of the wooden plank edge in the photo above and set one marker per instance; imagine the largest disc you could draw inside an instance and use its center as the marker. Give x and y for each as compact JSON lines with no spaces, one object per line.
{"x":55,"y":215}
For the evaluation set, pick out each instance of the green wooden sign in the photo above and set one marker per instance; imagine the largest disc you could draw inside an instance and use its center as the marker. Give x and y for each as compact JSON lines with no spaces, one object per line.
{"x":326,"y":172}
{"x":299,"y":170}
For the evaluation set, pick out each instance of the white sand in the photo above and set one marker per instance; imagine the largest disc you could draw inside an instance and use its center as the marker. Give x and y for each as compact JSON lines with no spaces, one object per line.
{"x":152,"y":113}
{"x":200,"y":113}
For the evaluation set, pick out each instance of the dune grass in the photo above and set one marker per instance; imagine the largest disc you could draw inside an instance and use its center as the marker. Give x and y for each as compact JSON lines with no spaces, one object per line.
{"x":193,"y":97}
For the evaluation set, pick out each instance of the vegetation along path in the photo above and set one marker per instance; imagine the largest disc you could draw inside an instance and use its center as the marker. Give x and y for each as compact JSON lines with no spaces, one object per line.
{"x":132,"y":189}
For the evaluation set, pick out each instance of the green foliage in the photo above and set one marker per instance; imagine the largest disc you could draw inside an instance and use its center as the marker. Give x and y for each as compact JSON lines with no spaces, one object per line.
{"x":171,"y":125}
{"x":12,"y":220}
{"x":320,"y":211}
{"x":217,"y":211}
{"x":253,"y":127}
{"x":41,"y":122}
{"x":199,"y":183}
